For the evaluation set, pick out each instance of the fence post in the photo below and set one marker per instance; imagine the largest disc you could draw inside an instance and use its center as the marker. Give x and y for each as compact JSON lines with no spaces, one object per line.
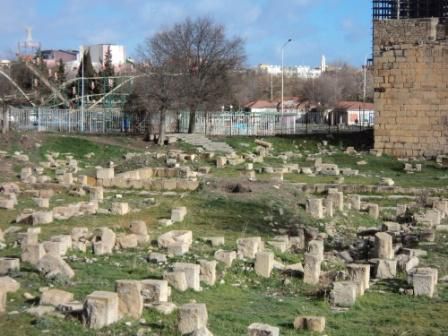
{"x":38,"y":119}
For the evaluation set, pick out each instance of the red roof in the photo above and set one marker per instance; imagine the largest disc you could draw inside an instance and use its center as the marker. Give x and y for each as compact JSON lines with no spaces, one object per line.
{"x":261,"y":104}
{"x":355,"y":105}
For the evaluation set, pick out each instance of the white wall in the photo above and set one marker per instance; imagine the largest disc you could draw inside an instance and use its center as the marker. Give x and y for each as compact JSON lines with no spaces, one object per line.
{"x":98,"y":53}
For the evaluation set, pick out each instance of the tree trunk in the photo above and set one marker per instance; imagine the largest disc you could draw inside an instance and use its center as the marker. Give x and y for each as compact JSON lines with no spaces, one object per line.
{"x":162,"y":126}
{"x":5,"y":124}
{"x":192,"y":123}
{"x":147,"y":127}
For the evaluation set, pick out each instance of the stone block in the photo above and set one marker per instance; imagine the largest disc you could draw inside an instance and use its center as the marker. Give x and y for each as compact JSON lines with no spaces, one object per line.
{"x":55,"y":297}
{"x":155,"y":291}
{"x":54,"y":248}
{"x":175,"y":237}
{"x":120,"y":208}
{"x":337,"y":197}
{"x":127,"y":241}
{"x":103,"y":241}
{"x":208,"y":271}
{"x":42,"y":217}
{"x":328,"y":207}
{"x":386,"y":269}
{"x":315,"y":208}
{"x":310,"y":323}
{"x":192,"y":274}
{"x":42,"y":202}
{"x":264,"y":263}
{"x":383,"y":246}
{"x":424,"y":281}
{"x":312,"y":269}
{"x":156,"y":257}
{"x":221,"y":161}
{"x":3,"y":300}
{"x":28,"y":238}
{"x":9,"y":285}
{"x":316,"y":247}
{"x":53,"y":266}
{"x":130,"y":299}
{"x":178,"y":249}
{"x":215,"y":241}
{"x":96,"y":194}
{"x":7,"y":204}
{"x":101,"y":309}
{"x":226,"y":257}
{"x":178,"y":214}
{"x":139,"y":228}
{"x":260,"y":329}
{"x":192,"y":317}
{"x":329,"y":169}
{"x":105,"y":173}
{"x":344,"y":293}
{"x":374,"y":210}
{"x":177,"y":280}
{"x":8,"y":265}
{"x":391,"y":227}
{"x":360,"y":274}
{"x":355,"y":201}
{"x":249,"y":247}
{"x":32,"y":253}
{"x":79,"y":233}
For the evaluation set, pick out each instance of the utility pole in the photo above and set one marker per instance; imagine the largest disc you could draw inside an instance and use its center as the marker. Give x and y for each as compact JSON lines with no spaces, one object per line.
{"x":272,"y":89}
{"x":364,"y":91}
{"x":283,"y":75}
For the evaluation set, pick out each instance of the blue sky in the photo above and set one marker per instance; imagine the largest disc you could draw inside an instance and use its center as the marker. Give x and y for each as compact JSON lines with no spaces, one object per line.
{"x":340,"y":29}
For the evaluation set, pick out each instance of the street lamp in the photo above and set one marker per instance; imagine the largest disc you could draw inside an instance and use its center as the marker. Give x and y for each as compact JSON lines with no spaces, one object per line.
{"x":283,"y":66}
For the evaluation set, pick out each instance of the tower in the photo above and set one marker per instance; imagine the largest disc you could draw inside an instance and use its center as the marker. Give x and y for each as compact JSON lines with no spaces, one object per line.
{"x":28,"y":47}
{"x":323,"y":64}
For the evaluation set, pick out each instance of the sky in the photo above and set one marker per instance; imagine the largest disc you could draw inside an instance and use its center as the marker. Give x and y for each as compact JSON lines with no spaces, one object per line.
{"x":338,"y":29}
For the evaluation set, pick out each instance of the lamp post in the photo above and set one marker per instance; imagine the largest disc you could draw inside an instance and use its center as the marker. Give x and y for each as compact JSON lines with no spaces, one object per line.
{"x":82,"y":93}
{"x":283,"y":75}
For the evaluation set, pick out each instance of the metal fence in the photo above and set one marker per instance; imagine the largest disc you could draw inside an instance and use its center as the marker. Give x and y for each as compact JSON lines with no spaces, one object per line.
{"x":115,"y":121}
{"x":262,"y":124}
{"x":69,"y":121}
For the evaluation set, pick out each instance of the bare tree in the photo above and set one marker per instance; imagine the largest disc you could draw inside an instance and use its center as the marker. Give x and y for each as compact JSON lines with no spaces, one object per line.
{"x":159,"y":87}
{"x":5,"y":89}
{"x":202,"y":55}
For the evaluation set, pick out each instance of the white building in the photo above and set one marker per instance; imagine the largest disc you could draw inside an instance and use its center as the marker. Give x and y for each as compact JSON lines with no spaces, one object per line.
{"x":300,"y":71}
{"x":98,"y":54}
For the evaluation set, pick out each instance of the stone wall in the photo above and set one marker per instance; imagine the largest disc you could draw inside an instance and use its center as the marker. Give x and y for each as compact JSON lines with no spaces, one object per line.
{"x":411,"y":87}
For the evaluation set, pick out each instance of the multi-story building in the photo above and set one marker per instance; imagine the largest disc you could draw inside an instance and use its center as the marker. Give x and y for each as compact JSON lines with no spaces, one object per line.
{"x":300,"y":71}
{"x":52,"y":57}
{"x":409,"y":9}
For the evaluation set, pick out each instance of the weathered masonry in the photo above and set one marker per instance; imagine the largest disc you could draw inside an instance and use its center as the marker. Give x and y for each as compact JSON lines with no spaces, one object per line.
{"x":411,"y":86}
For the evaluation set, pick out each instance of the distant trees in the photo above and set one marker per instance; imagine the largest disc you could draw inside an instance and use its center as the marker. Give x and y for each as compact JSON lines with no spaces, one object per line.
{"x":60,"y":72}
{"x":86,"y":70}
{"x":107,"y":71}
{"x":342,"y":83}
{"x":108,"y":67}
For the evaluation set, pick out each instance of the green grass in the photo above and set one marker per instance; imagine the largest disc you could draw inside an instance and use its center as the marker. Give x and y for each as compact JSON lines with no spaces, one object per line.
{"x":79,"y":148}
{"x":242,"y":298}
{"x":432,"y":176}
